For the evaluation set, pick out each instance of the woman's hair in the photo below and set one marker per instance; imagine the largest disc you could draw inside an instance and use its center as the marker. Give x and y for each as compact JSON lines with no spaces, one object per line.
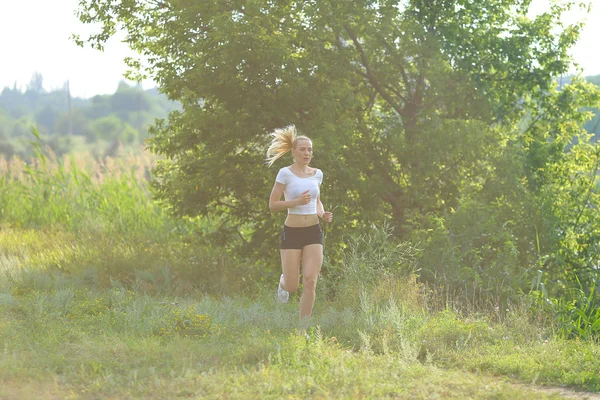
{"x":284,"y":140}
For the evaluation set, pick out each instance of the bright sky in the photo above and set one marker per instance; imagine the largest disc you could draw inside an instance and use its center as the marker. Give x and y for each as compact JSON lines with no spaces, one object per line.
{"x":34,"y":36}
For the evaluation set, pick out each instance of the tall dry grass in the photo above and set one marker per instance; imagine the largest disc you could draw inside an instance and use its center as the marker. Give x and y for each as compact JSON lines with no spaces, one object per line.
{"x":79,"y":192}
{"x":138,"y":164}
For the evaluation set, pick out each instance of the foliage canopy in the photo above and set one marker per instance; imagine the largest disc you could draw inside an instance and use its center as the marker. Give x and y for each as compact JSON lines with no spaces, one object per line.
{"x":440,"y":116}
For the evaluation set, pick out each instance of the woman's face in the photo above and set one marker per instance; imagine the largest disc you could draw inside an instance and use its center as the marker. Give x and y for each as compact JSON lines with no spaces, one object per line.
{"x":303,"y":152}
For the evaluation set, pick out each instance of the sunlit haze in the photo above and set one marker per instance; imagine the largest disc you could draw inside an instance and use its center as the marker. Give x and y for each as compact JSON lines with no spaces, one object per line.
{"x":34,"y":36}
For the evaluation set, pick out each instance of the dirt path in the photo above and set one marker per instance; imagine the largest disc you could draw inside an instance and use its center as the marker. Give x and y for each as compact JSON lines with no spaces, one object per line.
{"x":489,"y":387}
{"x":563,"y":392}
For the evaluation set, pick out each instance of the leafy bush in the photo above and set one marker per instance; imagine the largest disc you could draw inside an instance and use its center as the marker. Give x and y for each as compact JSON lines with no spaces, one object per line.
{"x":375,"y":262}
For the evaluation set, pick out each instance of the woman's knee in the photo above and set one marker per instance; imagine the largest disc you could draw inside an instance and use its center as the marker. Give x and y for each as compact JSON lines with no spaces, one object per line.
{"x":309,"y":282}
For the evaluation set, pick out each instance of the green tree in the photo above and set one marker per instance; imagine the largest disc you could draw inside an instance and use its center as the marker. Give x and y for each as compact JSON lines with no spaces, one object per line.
{"x":595,"y":79}
{"x":128,"y":98}
{"x":593,"y":126}
{"x":80,"y":124}
{"x":46,"y":118}
{"x":100,"y":107}
{"x":6,"y":147}
{"x":113,"y":128}
{"x":107,"y":128}
{"x":537,"y":211}
{"x":36,"y":84}
{"x":412,"y":104}
{"x":562,"y":166}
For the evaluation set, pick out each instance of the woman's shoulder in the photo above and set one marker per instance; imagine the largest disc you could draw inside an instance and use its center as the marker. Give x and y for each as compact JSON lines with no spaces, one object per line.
{"x":283,"y":175}
{"x":318,"y":175}
{"x":284,"y":170}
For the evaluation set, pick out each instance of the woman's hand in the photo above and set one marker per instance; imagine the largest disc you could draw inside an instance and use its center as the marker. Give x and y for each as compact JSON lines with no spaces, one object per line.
{"x":303,"y":199}
{"x":327,"y":216}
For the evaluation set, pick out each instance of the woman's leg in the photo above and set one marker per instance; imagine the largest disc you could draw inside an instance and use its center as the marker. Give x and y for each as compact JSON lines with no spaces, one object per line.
{"x":312,"y":259}
{"x":290,"y":266}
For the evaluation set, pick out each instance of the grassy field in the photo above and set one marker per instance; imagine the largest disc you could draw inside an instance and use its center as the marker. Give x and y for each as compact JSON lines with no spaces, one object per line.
{"x":73,"y":337}
{"x":97,"y":301}
{"x":127,"y":344}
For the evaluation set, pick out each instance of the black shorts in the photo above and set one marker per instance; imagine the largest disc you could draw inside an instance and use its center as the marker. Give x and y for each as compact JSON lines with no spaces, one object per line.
{"x":297,"y":238}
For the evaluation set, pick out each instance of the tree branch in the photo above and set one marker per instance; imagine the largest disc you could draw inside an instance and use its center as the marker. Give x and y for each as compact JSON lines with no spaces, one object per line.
{"x":371,"y":102}
{"x":420,"y":87}
{"x":393,"y":51}
{"x":370,"y":75}
{"x":396,"y":92}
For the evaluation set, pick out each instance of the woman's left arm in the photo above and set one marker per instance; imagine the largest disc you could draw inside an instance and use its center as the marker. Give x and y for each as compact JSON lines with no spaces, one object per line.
{"x":324,"y":215}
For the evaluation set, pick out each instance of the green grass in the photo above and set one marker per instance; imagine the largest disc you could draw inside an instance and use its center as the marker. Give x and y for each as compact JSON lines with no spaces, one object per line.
{"x":51,"y":258}
{"x":86,"y":317}
{"x":102,"y":295}
{"x":63,"y":335}
{"x":119,"y":343}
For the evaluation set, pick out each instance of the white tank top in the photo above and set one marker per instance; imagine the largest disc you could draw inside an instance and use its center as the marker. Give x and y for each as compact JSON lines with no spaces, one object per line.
{"x":295,"y":186}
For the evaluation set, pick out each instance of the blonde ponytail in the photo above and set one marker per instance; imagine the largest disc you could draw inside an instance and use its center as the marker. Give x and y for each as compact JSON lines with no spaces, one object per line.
{"x":284,"y":140}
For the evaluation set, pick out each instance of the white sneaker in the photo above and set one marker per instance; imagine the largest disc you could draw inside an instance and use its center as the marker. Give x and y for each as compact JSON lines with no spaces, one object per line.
{"x":282,"y":295}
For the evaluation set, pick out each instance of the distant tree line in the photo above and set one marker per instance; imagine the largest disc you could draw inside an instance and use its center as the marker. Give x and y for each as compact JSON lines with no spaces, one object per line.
{"x":100,"y":123}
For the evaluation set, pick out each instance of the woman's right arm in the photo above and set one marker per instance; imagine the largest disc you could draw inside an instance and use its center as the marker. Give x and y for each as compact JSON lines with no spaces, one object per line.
{"x":276,"y":204}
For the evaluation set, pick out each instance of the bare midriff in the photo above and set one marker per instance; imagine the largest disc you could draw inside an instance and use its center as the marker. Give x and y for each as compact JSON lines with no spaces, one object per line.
{"x":301,"y":220}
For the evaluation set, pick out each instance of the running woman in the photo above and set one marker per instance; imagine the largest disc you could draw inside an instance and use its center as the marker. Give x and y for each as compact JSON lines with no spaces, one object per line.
{"x":301,"y":239}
